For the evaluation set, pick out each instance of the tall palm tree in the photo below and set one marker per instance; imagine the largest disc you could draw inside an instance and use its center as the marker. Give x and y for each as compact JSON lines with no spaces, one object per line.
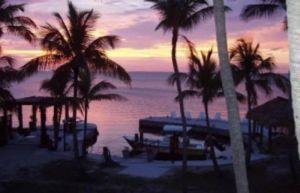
{"x":73,"y":46}
{"x":203,"y":81}
{"x":266,"y":8}
{"x":239,"y":164}
{"x":257,"y":73}
{"x":93,"y":92}
{"x":293,"y":16}
{"x":179,"y":15}
{"x":11,"y":21}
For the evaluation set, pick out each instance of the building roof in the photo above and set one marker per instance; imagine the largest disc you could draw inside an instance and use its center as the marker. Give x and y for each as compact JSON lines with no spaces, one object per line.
{"x":277,"y":112}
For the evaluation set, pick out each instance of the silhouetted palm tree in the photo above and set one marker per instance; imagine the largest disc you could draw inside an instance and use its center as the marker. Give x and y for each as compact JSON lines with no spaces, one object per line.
{"x":12,"y":22}
{"x":7,"y":75}
{"x":93,"y":92}
{"x":58,"y":87}
{"x":175,"y":16}
{"x":73,"y":46}
{"x":257,"y":73}
{"x":266,"y":8}
{"x":238,"y":153}
{"x":203,"y":81}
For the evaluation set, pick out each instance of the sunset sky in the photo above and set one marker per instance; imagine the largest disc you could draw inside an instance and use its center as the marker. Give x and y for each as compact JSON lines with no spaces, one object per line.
{"x":142,"y":48}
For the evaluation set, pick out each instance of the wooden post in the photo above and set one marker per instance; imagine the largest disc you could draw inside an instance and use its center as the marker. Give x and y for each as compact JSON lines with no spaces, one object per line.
{"x":261,"y":135}
{"x":44,"y":141}
{"x":141,"y":137}
{"x":34,"y":119}
{"x":20,"y":117}
{"x":254,"y":132}
{"x":32,"y":123}
{"x":270,"y":138}
{"x":67,"y":111}
{"x":56,"y":125}
{"x":6,"y":125}
{"x":66,"y":124}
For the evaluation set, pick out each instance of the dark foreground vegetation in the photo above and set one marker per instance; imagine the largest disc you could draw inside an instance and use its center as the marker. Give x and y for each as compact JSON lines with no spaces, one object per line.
{"x":270,"y":176}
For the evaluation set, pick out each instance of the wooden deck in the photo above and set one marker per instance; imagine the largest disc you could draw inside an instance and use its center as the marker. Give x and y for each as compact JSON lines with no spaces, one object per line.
{"x":219,"y":128}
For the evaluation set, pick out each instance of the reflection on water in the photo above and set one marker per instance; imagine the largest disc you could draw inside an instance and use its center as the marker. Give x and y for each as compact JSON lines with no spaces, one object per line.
{"x":149,"y":95}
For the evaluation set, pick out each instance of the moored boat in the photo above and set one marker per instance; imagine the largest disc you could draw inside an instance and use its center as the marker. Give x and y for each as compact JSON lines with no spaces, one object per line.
{"x":167,"y":148}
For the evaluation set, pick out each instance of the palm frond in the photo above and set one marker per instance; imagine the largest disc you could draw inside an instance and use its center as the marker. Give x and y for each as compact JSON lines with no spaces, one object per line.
{"x":188,"y":94}
{"x":100,"y":63}
{"x":173,"y":78}
{"x":101,"y":86}
{"x":63,"y":25}
{"x":22,"y":31}
{"x":198,"y":17}
{"x":7,"y":61}
{"x":53,"y":40}
{"x":24,"y":21}
{"x":5,"y":95}
{"x":41,"y":63}
{"x":259,"y":10}
{"x":104,"y":42}
{"x":57,"y":85}
{"x":114,"y":97}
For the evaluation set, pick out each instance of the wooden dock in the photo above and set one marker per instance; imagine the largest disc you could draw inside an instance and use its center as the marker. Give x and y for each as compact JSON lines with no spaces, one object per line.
{"x":219,"y":128}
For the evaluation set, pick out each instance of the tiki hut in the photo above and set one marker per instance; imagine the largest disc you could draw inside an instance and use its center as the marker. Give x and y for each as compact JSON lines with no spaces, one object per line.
{"x":37,"y":103}
{"x":276,"y":115}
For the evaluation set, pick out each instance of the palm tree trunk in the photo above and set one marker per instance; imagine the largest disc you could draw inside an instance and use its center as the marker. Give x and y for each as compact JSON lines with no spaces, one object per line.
{"x":294,"y":43}
{"x":181,"y":106}
{"x":249,"y":146}
{"x":84,"y":152}
{"x":56,"y":126}
{"x":74,"y":129}
{"x":239,"y":164}
{"x":211,"y":142}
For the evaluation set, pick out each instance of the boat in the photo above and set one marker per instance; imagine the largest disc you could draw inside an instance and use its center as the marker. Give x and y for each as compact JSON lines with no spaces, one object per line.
{"x":67,"y":141}
{"x":162,"y":149}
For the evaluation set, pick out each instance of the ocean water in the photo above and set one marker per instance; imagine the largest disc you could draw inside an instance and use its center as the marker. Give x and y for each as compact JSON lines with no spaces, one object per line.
{"x":148,"y":95}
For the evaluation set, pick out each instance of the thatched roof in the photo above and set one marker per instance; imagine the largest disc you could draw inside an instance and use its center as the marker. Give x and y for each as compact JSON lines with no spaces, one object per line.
{"x":277,"y":112}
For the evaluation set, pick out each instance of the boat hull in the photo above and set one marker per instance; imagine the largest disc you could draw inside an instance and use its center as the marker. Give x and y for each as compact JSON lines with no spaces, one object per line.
{"x":164,"y":152}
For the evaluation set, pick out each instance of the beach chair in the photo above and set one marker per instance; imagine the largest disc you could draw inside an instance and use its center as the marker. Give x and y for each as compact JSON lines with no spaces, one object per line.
{"x":173,"y":115}
{"x":188,"y":115}
{"x":218,"y":116}
{"x":202,"y":115}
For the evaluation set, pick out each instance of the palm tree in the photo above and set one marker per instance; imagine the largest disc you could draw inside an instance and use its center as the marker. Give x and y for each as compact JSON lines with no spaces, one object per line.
{"x":12,"y":22}
{"x":239,"y":164}
{"x":203,"y":81}
{"x":7,"y":75}
{"x":257,"y":73}
{"x":93,"y":92}
{"x":294,"y":40}
{"x":175,"y":16}
{"x":266,"y":8}
{"x":57,"y":87}
{"x":73,"y":46}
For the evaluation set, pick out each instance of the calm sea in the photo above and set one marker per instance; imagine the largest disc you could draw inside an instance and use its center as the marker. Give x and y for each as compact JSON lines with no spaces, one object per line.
{"x":149,"y":95}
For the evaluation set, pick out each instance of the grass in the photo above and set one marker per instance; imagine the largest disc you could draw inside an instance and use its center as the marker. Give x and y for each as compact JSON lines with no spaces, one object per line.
{"x":62,"y":176}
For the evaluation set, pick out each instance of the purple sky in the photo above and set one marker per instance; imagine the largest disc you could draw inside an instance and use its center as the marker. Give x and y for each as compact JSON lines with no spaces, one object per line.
{"x":142,"y":48}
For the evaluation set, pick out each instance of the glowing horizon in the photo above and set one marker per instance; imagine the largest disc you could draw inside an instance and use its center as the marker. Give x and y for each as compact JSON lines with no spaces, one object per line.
{"x":142,"y":48}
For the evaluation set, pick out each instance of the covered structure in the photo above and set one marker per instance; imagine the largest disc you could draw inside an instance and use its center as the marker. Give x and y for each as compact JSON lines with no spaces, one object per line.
{"x":40,"y":103}
{"x":276,"y":115}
